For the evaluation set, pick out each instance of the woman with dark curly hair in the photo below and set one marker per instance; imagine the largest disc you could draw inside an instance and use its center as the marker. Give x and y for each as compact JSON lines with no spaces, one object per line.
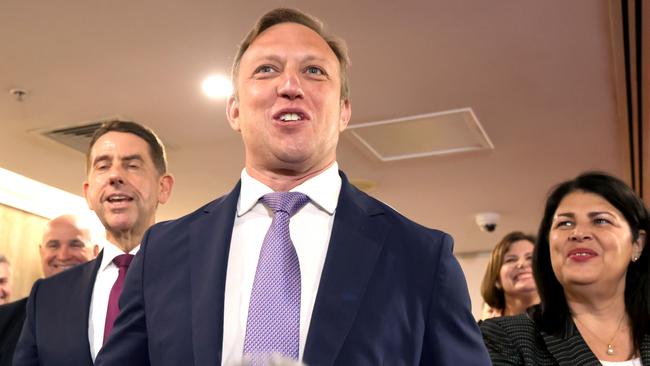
{"x":591,"y":268}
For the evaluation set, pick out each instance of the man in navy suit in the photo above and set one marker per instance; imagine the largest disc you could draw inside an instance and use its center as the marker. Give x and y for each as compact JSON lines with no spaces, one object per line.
{"x":67,"y":314}
{"x":374,"y":287}
{"x":67,"y":241}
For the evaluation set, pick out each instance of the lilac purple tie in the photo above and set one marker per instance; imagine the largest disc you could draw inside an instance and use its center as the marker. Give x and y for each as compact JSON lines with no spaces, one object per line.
{"x":122,"y":262}
{"x":273,"y":324}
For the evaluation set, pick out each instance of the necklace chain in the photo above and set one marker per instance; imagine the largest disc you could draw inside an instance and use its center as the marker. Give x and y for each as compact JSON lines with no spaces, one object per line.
{"x":610,"y":345}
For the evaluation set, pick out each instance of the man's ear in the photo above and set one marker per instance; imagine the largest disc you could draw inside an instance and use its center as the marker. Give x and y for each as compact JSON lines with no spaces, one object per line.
{"x":85,"y":191}
{"x":232,"y":112}
{"x":166,"y":183}
{"x":346,"y":113}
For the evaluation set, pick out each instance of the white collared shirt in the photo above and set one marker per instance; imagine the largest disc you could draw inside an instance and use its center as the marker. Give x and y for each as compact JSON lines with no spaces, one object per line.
{"x":106,"y":276}
{"x":310,"y":230}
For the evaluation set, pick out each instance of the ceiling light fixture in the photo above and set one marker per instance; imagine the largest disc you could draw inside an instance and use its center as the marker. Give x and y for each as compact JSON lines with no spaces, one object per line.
{"x":217,"y":86}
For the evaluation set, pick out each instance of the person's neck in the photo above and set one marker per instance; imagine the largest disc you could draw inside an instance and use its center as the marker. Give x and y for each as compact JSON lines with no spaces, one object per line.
{"x":600,"y":310}
{"x":518,"y":304}
{"x":603,"y":323}
{"x":284,"y":180}
{"x":601,"y":301}
{"x":125,"y":240}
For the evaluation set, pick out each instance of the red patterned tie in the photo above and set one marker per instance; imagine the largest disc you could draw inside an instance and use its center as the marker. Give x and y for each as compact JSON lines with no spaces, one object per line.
{"x":122,"y":262}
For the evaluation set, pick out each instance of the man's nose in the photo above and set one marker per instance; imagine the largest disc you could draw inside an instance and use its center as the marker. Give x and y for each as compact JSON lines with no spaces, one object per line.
{"x":290,"y":85}
{"x":63,"y":253}
{"x":116,"y":175}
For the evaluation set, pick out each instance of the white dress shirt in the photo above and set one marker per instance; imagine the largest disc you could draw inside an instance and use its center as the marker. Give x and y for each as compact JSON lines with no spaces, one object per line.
{"x":310,"y":229}
{"x":106,"y":276}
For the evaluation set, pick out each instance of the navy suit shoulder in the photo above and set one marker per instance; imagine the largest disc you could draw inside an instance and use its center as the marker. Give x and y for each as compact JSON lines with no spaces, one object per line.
{"x":391,"y":292}
{"x":172,"y":317}
{"x":56,"y":326}
{"x":12,"y":316}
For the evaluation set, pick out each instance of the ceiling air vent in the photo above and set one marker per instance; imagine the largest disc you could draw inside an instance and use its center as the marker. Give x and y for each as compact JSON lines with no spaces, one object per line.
{"x":431,"y":134}
{"x":77,"y":137}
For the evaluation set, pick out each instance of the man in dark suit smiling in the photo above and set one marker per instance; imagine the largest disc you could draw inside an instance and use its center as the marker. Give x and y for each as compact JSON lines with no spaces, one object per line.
{"x":70,"y":315}
{"x":295,"y":262}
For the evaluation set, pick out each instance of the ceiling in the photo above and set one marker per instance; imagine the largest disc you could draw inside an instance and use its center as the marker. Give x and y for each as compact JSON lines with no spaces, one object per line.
{"x":539,"y":75}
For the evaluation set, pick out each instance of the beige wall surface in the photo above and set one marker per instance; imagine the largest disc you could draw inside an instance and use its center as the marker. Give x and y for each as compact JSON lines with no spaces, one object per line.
{"x":473,"y":266}
{"x":20,"y":234}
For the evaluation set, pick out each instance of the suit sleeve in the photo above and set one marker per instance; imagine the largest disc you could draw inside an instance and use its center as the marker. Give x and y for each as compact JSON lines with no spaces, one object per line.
{"x":26,"y":353}
{"x":502,"y":351}
{"x":128,"y":343}
{"x":452,"y":336}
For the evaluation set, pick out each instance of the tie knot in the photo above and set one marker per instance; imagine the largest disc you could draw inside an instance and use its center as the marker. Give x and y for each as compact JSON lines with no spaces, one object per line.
{"x":289,"y":202}
{"x":123,"y":260}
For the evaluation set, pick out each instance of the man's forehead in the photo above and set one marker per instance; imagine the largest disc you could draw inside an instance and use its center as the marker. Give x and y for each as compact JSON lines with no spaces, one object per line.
{"x":120,"y":144}
{"x":290,"y":38}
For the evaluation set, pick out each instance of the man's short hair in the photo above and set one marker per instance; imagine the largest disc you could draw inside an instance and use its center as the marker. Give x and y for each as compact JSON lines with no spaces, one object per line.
{"x":285,"y":15}
{"x":156,"y":147}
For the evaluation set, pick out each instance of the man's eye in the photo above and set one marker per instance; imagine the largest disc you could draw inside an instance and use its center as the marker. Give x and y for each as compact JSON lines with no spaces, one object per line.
{"x":315,"y":70}
{"x":264,"y":69}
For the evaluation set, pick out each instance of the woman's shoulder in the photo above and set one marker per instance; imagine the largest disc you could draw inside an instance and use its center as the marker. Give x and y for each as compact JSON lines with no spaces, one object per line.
{"x":510,"y":326}
{"x":515,"y":340}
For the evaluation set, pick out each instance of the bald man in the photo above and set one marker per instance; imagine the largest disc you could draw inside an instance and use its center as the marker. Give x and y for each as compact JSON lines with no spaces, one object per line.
{"x":67,"y":241}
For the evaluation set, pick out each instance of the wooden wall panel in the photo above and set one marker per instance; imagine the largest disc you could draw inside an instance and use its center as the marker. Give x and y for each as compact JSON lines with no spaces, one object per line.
{"x":20,"y":234}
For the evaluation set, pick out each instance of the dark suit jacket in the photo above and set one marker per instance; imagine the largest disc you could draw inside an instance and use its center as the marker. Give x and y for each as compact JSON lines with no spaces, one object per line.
{"x":518,"y":340}
{"x":391,"y":293}
{"x":12,"y":316}
{"x":56,"y":328}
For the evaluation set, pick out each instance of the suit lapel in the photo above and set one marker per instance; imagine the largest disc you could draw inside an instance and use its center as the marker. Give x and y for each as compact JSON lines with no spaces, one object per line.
{"x":78,"y":305}
{"x":355,"y":244}
{"x":209,"y":242}
{"x":569,"y":349}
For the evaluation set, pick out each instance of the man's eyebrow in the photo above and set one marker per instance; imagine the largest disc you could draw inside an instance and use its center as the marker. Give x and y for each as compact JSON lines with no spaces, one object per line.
{"x":101,"y":158}
{"x":310,"y":58}
{"x":133,"y":157}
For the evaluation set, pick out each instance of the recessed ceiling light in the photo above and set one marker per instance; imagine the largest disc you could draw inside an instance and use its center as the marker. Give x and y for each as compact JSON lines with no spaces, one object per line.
{"x":217,"y":86}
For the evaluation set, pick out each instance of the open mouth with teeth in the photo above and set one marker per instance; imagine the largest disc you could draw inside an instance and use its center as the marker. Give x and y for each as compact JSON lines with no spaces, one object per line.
{"x":290,"y":117}
{"x":117,"y":198}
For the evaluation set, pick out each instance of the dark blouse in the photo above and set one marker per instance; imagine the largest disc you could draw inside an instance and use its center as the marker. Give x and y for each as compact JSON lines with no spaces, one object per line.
{"x":518,"y":340}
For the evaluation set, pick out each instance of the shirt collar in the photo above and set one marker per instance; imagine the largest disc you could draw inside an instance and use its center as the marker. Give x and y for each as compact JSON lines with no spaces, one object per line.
{"x":323,"y":190}
{"x":111,"y":251}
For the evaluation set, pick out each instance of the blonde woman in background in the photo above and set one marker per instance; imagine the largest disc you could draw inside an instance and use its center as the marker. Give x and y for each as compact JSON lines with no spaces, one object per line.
{"x":508,"y":286}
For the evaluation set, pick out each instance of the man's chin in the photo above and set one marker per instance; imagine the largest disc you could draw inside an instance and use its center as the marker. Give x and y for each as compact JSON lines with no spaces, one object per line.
{"x":120,"y":226}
